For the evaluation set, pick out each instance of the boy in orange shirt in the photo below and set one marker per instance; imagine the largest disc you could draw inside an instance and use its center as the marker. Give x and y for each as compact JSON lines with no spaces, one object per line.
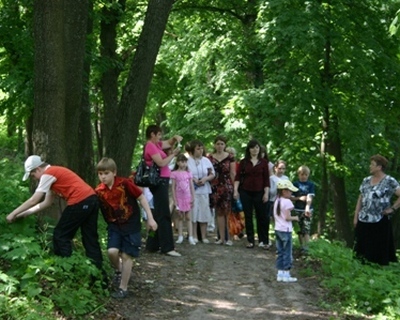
{"x":118,"y":203}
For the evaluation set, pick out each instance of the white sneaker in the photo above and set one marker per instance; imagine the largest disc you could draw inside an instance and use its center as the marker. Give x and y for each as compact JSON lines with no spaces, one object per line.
{"x":173,"y":253}
{"x":180,"y":239}
{"x":280,"y":276}
{"x":195,"y":240}
{"x":261,"y":244}
{"x":289,"y":279}
{"x":229,"y":243}
{"x":191,"y":241}
{"x":206,"y":241}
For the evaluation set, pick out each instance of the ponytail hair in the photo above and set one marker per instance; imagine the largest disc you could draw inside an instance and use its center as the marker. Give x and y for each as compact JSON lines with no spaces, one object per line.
{"x":278,"y":206}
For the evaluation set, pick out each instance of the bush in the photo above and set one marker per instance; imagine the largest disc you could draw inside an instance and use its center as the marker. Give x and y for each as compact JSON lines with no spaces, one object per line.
{"x":356,"y":288}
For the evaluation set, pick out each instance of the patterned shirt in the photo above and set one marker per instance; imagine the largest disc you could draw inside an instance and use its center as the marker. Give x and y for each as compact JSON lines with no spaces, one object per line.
{"x":376,"y":198}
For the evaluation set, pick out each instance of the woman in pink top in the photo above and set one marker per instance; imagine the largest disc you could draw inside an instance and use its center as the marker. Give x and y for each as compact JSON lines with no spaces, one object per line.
{"x":154,"y":153}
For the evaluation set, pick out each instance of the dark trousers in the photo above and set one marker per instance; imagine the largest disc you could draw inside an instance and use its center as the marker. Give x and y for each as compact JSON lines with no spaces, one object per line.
{"x":253,"y":201}
{"x":82,"y":215}
{"x":163,"y":238}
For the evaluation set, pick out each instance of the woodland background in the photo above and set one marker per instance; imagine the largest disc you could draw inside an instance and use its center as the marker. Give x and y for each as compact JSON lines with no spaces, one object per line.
{"x":316,"y":81}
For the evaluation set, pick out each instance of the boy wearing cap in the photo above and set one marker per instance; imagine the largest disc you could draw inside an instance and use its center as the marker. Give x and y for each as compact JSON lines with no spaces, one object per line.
{"x":303,"y":205}
{"x":283,"y":229}
{"x":81,"y":211}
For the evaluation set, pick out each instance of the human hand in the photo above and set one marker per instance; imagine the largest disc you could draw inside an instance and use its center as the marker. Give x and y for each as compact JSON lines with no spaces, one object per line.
{"x":176,"y":151}
{"x":265,"y":197}
{"x":178,"y":138}
{"x":152,"y":224}
{"x":235,"y":195}
{"x":11,"y":218}
{"x":307,"y":214}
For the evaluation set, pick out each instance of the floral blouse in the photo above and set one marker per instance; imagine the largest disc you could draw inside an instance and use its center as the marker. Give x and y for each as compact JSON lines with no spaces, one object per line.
{"x":376,"y":198}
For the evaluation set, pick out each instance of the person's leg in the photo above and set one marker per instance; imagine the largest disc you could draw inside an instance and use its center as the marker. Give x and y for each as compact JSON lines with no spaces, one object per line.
{"x":164,"y":236}
{"x":180,"y":228}
{"x":90,"y":237}
{"x":194,"y":228}
{"x":221,"y":227}
{"x":262,"y":219}
{"x":247,"y":203}
{"x":127,"y":263}
{"x":203,"y":228}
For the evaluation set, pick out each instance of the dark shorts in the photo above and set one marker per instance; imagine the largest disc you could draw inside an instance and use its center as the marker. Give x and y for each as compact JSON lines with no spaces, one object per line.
{"x":304,"y":223}
{"x":126,"y":243}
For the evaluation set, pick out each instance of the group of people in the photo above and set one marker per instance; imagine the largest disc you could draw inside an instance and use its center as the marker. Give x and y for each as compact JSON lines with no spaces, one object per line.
{"x":200,"y":183}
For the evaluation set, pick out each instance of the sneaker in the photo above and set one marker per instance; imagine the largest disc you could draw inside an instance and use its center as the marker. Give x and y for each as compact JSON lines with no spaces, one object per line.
{"x":191,"y":241}
{"x":173,"y":253}
{"x":206,"y":241}
{"x":261,"y":244}
{"x":116,"y":280}
{"x":180,"y":239}
{"x":195,"y":240}
{"x":119,"y":294}
{"x":219,"y":241}
{"x":289,"y":279}
{"x":229,"y":243}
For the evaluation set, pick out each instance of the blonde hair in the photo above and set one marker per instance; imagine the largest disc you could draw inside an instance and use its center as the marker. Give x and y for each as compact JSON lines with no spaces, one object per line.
{"x":303,"y":169}
{"x":106,"y":164}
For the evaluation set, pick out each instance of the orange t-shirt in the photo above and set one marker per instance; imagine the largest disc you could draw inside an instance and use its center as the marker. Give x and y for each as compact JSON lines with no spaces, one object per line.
{"x":64,"y":183}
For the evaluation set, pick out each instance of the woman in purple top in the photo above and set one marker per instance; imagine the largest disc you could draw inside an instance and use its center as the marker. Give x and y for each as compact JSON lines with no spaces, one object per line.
{"x":154,"y":152}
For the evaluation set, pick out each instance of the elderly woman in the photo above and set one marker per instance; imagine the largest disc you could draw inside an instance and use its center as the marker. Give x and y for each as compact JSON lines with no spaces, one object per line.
{"x":154,"y":152}
{"x":203,"y":172}
{"x":252,"y":185}
{"x":373,"y":227}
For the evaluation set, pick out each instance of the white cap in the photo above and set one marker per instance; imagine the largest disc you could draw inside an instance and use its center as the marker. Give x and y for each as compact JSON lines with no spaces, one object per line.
{"x":30,"y":164}
{"x":286,"y":184}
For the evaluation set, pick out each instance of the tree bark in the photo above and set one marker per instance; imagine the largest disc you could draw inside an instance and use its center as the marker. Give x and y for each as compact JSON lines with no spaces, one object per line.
{"x":123,"y":137}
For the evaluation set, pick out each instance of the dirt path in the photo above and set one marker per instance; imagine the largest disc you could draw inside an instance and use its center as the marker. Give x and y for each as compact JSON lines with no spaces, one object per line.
{"x":216,"y":282}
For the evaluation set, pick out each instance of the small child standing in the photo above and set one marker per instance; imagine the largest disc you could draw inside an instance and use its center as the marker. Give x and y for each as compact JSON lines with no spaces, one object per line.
{"x":183,"y":196}
{"x":283,"y":229}
{"x":303,"y":205}
{"x":118,"y":203}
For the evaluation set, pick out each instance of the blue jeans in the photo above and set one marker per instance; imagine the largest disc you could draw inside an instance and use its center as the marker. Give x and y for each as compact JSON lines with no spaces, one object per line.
{"x":284,"y":247}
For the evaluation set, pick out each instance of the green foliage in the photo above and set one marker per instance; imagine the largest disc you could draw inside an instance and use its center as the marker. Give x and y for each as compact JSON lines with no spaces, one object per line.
{"x":355,"y":288}
{"x":35,"y":284}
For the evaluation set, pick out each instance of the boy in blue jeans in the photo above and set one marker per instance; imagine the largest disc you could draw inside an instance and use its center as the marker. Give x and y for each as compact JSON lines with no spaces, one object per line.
{"x":118,"y":202}
{"x":303,"y":205}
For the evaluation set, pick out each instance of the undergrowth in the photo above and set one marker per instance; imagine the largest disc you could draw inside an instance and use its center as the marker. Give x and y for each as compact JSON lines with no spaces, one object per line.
{"x":357,"y":289}
{"x":34,"y":283}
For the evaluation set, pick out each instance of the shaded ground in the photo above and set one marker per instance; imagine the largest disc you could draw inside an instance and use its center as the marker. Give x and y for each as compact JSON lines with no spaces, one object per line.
{"x":216,"y":282}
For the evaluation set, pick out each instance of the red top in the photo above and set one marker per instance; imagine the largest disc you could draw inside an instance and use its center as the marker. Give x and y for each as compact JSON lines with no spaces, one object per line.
{"x":64,"y":183}
{"x":253,"y":178}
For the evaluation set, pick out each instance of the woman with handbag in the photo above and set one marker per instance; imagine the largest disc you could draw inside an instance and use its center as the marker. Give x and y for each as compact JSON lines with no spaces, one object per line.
{"x":154,"y":153}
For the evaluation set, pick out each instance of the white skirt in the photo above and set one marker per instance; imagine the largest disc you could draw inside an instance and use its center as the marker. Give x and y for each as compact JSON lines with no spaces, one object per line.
{"x":201,"y":209}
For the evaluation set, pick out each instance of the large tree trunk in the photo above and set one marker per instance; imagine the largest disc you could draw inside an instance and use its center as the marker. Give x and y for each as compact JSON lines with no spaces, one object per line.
{"x":109,"y":80}
{"x":59,"y":36}
{"x":123,"y":137}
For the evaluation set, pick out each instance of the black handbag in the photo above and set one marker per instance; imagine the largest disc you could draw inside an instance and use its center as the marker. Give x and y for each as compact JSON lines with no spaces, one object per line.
{"x":147,"y":176}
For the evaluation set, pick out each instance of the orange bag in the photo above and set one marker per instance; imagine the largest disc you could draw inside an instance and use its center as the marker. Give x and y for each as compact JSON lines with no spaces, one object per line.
{"x":236,"y":223}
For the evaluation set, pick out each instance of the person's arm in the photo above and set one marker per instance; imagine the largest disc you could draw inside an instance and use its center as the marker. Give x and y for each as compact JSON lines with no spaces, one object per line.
{"x":151,"y":223}
{"x":289,"y":217}
{"x":164,"y":162}
{"x":309,"y":199}
{"x":232,"y":170}
{"x":395,"y":205}
{"x":171,"y":142}
{"x":357,"y":211}
{"x":173,"y":186}
{"x":192,"y":191}
{"x":32,"y":205}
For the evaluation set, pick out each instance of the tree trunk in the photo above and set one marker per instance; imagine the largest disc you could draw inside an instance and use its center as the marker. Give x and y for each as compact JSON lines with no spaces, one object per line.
{"x":123,"y":137}
{"x":49,"y":85}
{"x":109,"y":80}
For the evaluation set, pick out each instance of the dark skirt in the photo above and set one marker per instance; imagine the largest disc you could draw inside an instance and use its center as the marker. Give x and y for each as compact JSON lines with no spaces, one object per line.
{"x":374,"y":242}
